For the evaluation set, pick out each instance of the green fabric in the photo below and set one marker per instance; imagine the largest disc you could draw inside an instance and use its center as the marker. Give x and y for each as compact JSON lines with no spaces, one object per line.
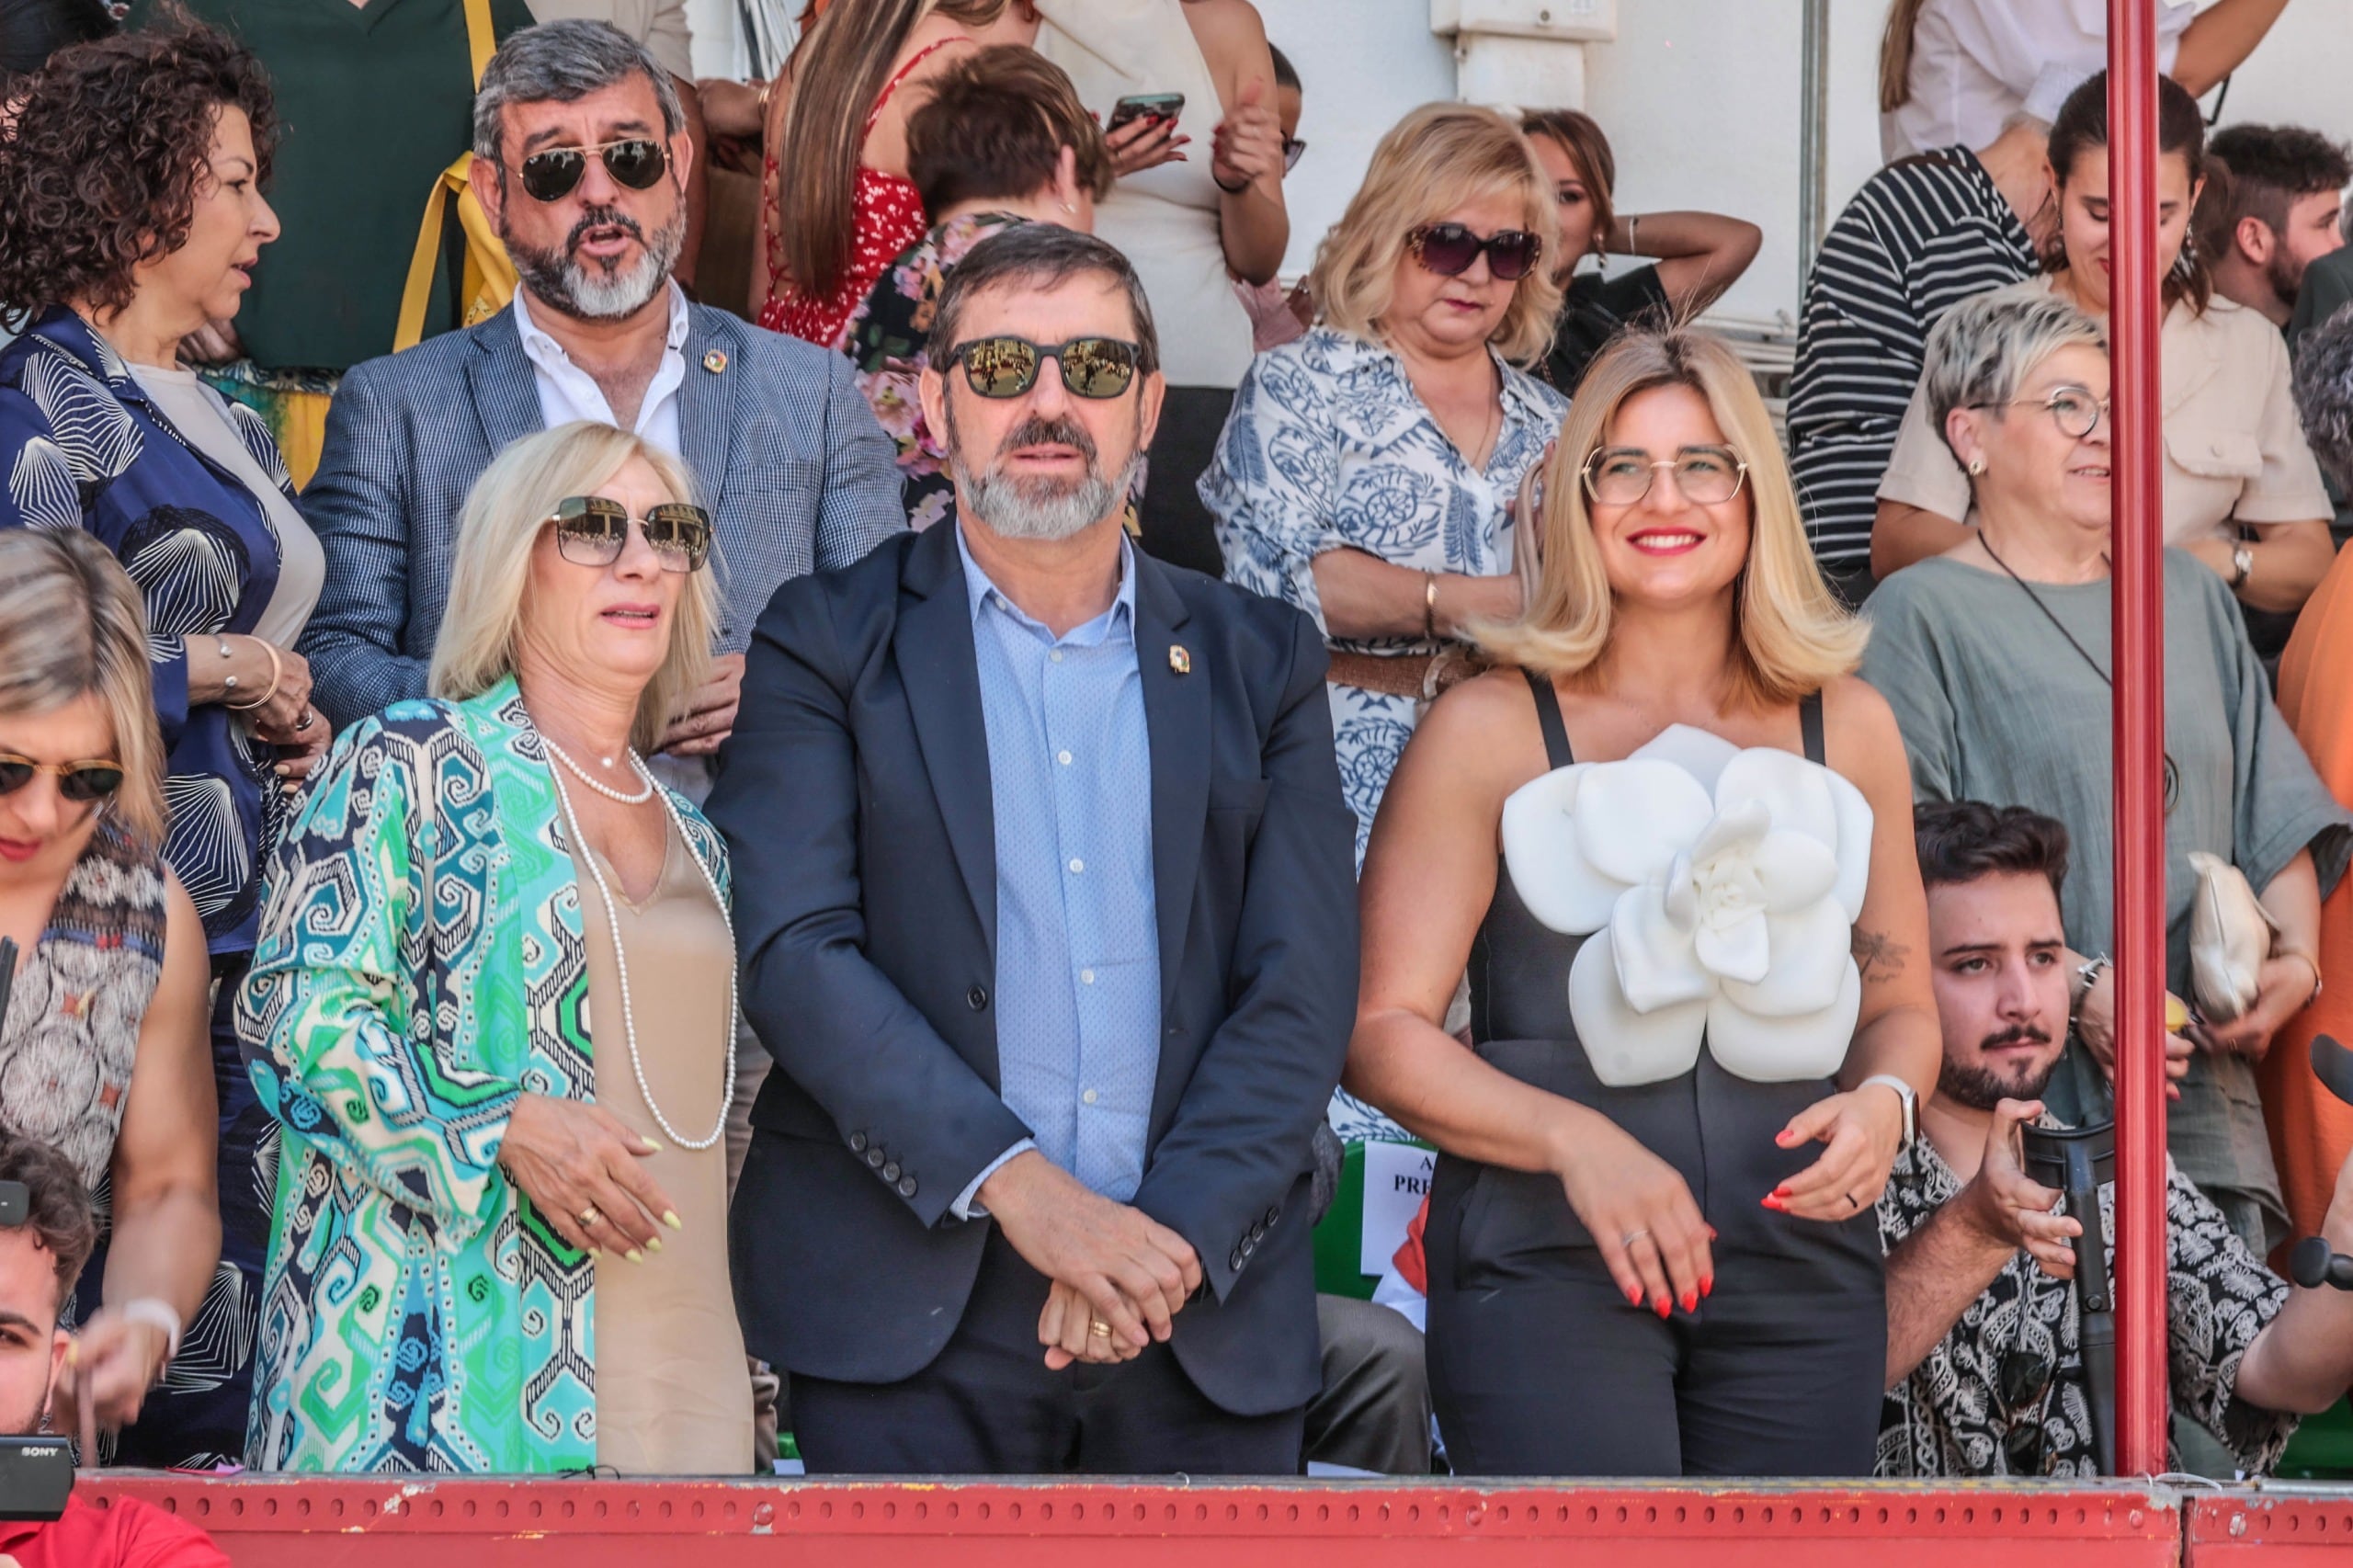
{"x":373,"y":102}
{"x":1995,"y":706}
{"x":421,"y":965}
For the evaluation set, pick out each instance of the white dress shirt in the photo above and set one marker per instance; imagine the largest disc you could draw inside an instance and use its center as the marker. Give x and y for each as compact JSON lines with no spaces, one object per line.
{"x":1977,"y":62}
{"x":568,"y":393}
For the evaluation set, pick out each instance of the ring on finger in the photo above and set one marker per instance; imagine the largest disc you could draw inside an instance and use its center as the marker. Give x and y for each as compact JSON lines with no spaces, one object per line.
{"x":1852,"y":1202}
{"x":1629,"y":1238}
{"x":590,"y":1216}
{"x":304,"y":721}
{"x":1100,"y":1329}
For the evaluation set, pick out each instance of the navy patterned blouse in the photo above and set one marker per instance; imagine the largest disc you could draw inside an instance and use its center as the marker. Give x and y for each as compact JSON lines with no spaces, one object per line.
{"x":82,"y":446}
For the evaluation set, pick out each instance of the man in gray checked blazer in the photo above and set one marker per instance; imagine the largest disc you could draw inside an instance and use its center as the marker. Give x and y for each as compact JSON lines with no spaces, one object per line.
{"x":580,"y":162}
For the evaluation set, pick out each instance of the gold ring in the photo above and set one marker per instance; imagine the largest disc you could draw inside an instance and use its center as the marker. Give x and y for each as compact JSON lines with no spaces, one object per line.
{"x":1099,"y":1328}
{"x":589,"y":1216}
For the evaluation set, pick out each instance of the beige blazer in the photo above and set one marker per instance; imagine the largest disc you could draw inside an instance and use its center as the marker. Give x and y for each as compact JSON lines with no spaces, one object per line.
{"x":2234,"y":450}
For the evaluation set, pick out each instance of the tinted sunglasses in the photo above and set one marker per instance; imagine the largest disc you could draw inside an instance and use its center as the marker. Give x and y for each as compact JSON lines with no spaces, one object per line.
{"x":81,"y":782}
{"x":1007,"y":367}
{"x":555,"y":174}
{"x":1448,"y":249}
{"x":1292,"y":148}
{"x":592,"y":530}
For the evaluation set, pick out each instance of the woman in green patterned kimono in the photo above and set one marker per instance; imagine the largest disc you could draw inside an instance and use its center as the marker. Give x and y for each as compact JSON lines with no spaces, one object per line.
{"x":492,"y":1010}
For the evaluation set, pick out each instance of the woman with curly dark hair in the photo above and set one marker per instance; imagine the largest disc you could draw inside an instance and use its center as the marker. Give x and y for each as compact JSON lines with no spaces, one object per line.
{"x":131,"y":214}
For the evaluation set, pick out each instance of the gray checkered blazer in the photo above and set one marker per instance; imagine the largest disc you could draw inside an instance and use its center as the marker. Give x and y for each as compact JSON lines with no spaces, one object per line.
{"x":798,"y":476}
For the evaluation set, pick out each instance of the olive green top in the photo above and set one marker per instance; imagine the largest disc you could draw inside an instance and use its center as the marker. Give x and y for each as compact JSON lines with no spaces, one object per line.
{"x":373,"y":102}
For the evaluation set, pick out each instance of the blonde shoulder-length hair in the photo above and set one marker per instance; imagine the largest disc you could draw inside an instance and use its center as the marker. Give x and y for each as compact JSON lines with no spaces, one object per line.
{"x":72,"y":625}
{"x":491,"y":572}
{"x":1433,"y":161}
{"x":1794,"y":636}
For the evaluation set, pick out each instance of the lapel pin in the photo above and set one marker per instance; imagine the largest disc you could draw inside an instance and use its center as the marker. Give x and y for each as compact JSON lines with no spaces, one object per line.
{"x":714,"y":361}
{"x":1180,"y":660}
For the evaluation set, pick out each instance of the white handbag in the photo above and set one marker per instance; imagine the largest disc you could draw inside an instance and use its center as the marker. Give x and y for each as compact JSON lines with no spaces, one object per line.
{"x":2230,"y":936}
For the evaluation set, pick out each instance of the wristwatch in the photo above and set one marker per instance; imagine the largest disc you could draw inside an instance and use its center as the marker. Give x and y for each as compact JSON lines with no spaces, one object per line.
{"x":1905,"y":1094}
{"x":2241,"y":564}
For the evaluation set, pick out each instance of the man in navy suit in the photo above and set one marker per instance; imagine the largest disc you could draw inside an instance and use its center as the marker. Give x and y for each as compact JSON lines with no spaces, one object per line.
{"x":581,"y":154}
{"x":1044,"y":897}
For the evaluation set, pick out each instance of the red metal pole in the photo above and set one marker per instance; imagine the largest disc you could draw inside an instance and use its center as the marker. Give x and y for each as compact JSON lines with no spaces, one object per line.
{"x":2139,"y":663}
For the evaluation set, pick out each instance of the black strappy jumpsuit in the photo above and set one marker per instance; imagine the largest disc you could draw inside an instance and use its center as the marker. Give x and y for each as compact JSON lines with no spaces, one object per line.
{"x":1538,"y":1366}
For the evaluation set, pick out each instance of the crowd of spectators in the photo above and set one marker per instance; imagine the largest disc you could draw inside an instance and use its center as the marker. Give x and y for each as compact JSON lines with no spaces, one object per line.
{"x":916,"y":829}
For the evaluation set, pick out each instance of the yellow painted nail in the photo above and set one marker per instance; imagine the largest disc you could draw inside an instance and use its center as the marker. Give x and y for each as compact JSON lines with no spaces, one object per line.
{"x":650,"y":1146}
{"x":670,"y":1218}
{"x":634,"y":1256}
{"x":653,"y":1243}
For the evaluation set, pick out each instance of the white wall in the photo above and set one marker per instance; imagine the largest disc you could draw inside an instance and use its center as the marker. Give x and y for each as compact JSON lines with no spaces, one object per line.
{"x":1699,"y":97}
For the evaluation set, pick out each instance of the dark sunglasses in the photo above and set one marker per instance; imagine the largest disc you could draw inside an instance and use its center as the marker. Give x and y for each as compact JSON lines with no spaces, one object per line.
{"x":592,"y":530}
{"x":553,"y":175}
{"x":1292,"y":148}
{"x":81,"y":782}
{"x":1007,"y":367}
{"x":1448,"y":249}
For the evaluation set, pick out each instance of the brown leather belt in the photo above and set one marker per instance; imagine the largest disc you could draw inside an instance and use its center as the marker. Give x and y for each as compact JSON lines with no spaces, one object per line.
{"x":1421,"y":676}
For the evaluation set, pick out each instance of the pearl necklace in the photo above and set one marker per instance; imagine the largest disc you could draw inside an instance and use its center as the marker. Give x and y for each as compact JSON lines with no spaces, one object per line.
{"x":605,"y":790}
{"x":620,"y":956}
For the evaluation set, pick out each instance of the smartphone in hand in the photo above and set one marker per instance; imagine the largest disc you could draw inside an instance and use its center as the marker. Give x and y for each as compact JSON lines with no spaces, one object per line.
{"x":1145,"y":106}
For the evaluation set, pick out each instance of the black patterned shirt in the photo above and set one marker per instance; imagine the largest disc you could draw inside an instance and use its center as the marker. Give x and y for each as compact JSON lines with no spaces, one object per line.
{"x":1953,"y":1417}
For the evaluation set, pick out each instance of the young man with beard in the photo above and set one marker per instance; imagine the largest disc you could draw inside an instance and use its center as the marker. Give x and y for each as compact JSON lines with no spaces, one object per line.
{"x":40,"y":1257}
{"x":581,"y":156}
{"x":1045,"y":897}
{"x":1985,"y":1366}
{"x":2276,"y":211}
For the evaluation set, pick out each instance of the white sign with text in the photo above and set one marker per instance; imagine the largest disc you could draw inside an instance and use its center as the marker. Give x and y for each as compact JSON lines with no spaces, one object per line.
{"x":1396,"y":1179}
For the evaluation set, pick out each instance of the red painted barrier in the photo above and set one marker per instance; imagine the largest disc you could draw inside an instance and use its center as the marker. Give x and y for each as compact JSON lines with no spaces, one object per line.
{"x":2283,"y":1528}
{"x":473,"y":1524}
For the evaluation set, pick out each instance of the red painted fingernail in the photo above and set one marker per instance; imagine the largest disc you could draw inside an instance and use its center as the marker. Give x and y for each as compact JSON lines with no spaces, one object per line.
{"x":1708,"y":1285}
{"x":1785,"y":1138}
{"x":1711,"y":1233}
{"x":1633,"y":1296}
{"x":1691,"y":1300}
{"x":1665,"y":1308}
{"x":1773,"y":1200}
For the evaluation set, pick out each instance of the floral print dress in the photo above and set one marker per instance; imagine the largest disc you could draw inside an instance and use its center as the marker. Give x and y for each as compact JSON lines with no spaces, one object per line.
{"x":1330,"y":447}
{"x":888,"y":339}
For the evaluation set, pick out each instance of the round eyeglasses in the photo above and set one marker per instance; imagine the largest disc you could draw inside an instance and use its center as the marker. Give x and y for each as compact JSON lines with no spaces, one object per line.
{"x":2072,"y":409}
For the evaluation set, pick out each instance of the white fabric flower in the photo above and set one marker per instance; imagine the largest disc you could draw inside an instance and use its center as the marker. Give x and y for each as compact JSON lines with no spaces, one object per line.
{"x":1718,"y":890}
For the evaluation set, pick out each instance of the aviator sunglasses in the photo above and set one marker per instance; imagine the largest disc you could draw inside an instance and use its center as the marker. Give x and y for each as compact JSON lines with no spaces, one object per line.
{"x":1006,"y":366}
{"x":1448,"y":249}
{"x":592,"y":530}
{"x":80,"y":782}
{"x":637,"y":163}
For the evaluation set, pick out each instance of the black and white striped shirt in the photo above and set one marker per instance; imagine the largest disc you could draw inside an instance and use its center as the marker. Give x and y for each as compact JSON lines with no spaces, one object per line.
{"x":1921,"y":237}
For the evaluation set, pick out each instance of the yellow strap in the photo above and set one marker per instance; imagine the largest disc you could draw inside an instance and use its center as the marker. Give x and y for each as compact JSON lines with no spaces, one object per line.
{"x":418,"y":292}
{"x":480,"y":36}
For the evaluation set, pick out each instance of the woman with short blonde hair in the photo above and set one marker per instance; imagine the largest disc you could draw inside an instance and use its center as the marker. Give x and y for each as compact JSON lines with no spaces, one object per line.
{"x":105,"y":1054}
{"x":1679,"y":751}
{"x":1433,"y":161}
{"x":1370,"y":470}
{"x":496,"y":981}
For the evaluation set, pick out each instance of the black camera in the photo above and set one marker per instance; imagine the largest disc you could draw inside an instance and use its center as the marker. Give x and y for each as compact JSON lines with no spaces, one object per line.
{"x":36,"y":1477}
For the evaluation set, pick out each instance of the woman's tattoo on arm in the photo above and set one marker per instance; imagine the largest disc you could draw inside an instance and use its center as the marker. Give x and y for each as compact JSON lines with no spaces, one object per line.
{"x":1878,"y":955}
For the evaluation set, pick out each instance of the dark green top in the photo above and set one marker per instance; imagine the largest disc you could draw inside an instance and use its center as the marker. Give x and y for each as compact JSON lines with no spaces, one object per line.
{"x":373,"y":103}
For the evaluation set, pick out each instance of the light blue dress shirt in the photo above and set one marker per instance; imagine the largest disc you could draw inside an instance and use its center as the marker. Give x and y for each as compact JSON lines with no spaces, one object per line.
{"x":1077,"y":937}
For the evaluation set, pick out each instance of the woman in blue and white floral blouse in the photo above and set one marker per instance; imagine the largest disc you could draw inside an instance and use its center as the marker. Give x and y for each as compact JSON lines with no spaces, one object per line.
{"x":1369,"y":470}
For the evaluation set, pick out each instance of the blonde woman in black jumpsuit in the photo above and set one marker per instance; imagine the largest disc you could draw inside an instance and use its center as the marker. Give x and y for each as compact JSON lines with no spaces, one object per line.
{"x":1652,"y":1269}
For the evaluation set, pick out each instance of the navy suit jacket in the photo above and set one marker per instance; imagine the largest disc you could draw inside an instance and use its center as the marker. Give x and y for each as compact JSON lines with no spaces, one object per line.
{"x":855,"y":797}
{"x":783,"y":447}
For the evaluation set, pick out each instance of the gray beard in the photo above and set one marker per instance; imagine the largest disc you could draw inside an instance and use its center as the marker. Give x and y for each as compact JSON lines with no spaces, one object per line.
{"x":1037,"y":508}
{"x":591,"y":291}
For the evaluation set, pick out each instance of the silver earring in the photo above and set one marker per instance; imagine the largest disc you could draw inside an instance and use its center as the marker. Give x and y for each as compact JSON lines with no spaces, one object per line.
{"x":1976,"y":467}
